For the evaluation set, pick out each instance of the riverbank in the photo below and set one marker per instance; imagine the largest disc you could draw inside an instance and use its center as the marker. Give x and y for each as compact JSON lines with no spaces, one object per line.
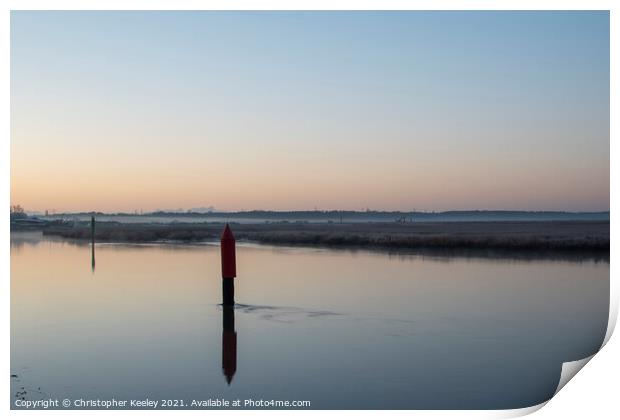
{"x":570,"y":236}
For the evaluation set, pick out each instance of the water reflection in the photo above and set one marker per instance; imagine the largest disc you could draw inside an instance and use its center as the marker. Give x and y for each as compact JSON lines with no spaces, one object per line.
{"x":402,"y":333}
{"x":92,"y":256}
{"x":229,"y":343}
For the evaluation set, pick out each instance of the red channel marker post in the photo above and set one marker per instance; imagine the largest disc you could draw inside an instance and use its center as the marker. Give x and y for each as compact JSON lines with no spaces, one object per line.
{"x":229,"y":268}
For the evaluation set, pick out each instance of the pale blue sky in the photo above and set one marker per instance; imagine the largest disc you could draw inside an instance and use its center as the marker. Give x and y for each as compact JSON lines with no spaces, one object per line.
{"x":294,"y":110}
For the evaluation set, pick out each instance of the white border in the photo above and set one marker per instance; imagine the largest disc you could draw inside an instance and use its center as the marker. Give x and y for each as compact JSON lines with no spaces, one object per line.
{"x":594,"y":392}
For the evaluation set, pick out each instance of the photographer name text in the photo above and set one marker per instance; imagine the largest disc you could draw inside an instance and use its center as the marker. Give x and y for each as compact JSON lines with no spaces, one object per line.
{"x":147,"y":403}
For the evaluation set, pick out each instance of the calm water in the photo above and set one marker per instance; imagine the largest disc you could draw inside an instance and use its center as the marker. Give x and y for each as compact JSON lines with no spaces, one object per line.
{"x":341,"y":329}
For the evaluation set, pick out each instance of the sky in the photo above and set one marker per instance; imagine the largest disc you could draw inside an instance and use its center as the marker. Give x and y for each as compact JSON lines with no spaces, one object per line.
{"x":124,"y":111}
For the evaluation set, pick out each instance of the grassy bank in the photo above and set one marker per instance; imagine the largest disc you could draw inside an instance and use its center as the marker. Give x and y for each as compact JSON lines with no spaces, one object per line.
{"x":519,"y":236}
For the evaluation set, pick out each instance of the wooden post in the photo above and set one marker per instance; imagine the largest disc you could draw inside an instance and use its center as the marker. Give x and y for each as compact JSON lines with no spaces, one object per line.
{"x":92,"y":242}
{"x":229,"y":269}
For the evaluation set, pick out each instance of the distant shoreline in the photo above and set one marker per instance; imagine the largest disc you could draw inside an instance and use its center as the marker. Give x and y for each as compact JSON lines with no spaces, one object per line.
{"x":338,"y":216}
{"x":575,"y":237}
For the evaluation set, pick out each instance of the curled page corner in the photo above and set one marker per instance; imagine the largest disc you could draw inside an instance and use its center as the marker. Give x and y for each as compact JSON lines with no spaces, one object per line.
{"x":570,"y":369}
{"x":519,"y":412}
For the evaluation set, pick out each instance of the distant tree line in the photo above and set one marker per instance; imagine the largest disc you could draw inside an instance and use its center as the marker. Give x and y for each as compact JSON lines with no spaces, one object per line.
{"x":17,"y":211}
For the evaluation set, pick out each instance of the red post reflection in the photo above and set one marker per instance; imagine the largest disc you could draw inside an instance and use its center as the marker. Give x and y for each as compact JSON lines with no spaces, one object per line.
{"x":229,"y":343}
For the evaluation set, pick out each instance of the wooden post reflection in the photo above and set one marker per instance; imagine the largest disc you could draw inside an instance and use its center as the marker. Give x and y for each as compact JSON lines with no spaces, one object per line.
{"x":229,"y":343}
{"x":92,"y":257}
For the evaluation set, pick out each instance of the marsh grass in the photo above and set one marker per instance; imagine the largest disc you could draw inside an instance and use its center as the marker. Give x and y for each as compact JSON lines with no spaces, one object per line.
{"x":529,"y":236}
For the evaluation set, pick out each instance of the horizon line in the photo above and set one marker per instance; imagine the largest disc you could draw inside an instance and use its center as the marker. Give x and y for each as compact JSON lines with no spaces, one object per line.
{"x":190,"y":211}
